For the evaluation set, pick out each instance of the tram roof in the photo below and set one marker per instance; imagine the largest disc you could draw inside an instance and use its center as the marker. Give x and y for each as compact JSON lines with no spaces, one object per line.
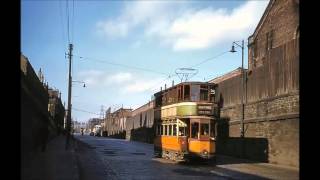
{"x":184,"y":83}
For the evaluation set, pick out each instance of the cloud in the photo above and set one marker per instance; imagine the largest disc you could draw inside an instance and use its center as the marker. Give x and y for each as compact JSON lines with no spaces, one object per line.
{"x":208,"y":27}
{"x":133,"y":15}
{"x":125,"y":82}
{"x":136,"y":44}
{"x":96,"y":78}
{"x":183,"y":27}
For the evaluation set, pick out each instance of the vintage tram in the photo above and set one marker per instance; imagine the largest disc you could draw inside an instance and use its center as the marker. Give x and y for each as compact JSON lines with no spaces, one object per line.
{"x":185,"y":121}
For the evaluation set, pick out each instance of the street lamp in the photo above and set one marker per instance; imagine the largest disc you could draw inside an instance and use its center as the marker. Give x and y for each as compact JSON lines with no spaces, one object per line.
{"x":84,"y":84}
{"x":242,"y":85}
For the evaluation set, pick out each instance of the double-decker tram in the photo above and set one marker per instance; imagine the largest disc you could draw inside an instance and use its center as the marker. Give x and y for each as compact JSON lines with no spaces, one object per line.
{"x":185,"y":121}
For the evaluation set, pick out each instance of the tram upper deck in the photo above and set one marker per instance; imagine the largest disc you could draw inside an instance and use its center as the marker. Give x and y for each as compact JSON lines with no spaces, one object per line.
{"x":185,"y":99}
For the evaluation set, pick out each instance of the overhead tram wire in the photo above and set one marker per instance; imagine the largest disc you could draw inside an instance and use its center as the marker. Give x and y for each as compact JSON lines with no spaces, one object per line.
{"x":173,"y":75}
{"x":67,"y":14}
{"x":72,"y":29}
{"x":80,"y":110}
{"x":122,"y":65}
{"x":208,"y":59}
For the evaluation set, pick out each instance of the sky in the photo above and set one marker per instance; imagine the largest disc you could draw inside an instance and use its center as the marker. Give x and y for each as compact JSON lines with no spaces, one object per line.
{"x":125,"y":51}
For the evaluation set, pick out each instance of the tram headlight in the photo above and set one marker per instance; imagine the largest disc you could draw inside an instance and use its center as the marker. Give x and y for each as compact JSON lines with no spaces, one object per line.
{"x":205,"y":152}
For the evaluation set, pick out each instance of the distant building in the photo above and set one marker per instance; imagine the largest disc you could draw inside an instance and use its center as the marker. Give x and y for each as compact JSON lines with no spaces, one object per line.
{"x":56,"y":109}
{"x":142,"y":117}
{"x":115,"y":122}
{"x":94,"y":121}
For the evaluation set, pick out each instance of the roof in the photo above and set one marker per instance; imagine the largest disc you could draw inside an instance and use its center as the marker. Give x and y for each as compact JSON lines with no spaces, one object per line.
{"x":262,"y":19}
{"x":189,"y":82}
{"x":226,"y":76}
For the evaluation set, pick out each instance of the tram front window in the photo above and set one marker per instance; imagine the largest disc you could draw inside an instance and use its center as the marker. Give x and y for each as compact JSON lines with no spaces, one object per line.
{"x":182,"y":131}
{"x":195,"y":130}
{"x":205,"y":129}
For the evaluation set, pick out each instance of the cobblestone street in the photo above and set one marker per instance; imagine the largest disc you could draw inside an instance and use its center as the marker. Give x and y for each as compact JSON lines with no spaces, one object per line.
{"x":106,"y":158}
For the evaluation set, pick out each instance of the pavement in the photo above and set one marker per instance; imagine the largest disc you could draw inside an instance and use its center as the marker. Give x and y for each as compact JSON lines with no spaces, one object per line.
{"x":56,"y":163}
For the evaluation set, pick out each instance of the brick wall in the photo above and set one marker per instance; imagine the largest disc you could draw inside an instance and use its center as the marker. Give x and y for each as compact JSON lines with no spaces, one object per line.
{"x":271,"y":93}
{"x":282,"y":20}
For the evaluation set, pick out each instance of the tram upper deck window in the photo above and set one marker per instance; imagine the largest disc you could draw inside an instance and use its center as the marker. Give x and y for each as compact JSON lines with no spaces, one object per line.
{"x":204,"y":93}
{"x":186,"y":95}
{"x":195,"y":92}
{"x":195,"y":130}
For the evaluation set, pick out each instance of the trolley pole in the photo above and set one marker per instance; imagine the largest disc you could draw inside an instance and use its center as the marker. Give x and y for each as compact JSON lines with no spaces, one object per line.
{"x":69,"y":98}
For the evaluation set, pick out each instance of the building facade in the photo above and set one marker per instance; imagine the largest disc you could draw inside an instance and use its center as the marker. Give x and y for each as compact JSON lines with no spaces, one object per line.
{"x":115,"y":123}
{"x":271,"y":92}
{"x":140,"y":125}
{"x":56,"y":109}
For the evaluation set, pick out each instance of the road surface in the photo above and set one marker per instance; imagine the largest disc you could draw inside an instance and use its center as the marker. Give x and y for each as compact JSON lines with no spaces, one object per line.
{"x":107,"y":158}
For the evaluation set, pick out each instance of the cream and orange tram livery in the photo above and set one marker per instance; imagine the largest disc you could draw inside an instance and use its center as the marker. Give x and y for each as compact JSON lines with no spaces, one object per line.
{"x":185,"y":121}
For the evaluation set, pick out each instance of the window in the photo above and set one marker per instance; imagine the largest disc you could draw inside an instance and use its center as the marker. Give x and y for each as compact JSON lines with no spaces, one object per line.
{"x":204,"y":93}
{"x":205,"y":129}
{"x":195,"y":130}
{"x":212,"y":129}
{"x":163,"y":130}
{"x":182,"y":131}
{"x":195,"y":92}
{"x":179,"y":93}
{"x":186,"y":92}
{"x":269,"y":40}
{"x":170,"y":130}
{"x":174,"y":130}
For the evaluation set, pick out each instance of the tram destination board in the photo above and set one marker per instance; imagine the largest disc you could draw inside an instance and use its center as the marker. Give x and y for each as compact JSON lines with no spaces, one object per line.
{"x":205,"y":110}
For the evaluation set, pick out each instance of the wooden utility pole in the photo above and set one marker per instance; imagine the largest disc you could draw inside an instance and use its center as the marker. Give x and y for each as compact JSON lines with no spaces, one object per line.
{"x":69,"y":98}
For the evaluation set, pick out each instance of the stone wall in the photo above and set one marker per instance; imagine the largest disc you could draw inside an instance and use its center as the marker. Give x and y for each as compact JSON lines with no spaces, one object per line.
{"x":34,"y":109}
{"x":271,"y":92}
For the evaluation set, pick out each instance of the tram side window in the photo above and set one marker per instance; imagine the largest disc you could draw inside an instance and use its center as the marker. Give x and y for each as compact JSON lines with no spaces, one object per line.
{"x":195,"y":130}
{"x":212,"y":129}
{"x":170,"y":130}
{"x":205,"y":129}
{"x":174,"y":130}
{"x":163,"y":129}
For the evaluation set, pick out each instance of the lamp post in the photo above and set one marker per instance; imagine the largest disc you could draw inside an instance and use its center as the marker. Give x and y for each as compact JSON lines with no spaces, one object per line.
{"x":242,"y":86}
{"x":84,"y":84}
